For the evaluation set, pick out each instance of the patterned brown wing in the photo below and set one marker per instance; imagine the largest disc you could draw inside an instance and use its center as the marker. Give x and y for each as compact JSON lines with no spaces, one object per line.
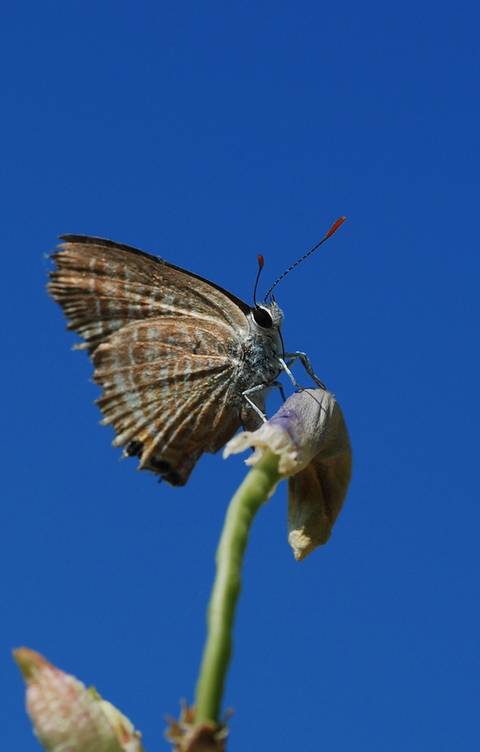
{"x":102,"y":286}
{"x":166,"y":345}
{"x":169,"y":391}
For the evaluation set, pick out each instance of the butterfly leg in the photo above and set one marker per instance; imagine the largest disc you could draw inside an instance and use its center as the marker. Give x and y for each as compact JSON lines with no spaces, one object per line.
{"x":290,"y":375}
{"x":252,"y":404}
{"x":305,"y":360}
{"x":280,"y":388}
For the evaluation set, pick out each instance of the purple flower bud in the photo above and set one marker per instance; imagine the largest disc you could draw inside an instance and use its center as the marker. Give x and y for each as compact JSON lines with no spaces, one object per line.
{"x":309,"y":435}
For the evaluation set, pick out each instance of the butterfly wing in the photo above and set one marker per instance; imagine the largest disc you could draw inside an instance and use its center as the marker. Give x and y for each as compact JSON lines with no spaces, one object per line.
{"x":169,"y":401}
{"x":166,"y":346}
{"x":102,"y":286}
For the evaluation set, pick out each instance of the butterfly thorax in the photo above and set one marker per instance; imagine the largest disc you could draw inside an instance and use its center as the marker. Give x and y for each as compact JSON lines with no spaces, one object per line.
{"x":262,"y":347}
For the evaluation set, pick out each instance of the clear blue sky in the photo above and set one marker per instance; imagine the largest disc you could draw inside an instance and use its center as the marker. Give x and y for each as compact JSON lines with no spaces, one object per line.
{"x":208,"y":133}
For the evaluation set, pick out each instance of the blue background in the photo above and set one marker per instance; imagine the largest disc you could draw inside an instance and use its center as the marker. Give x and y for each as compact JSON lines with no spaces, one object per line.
{"x":208,"y":133}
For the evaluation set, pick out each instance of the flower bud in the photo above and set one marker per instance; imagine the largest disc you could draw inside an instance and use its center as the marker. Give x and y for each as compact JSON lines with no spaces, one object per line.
{"x":68,"y":717}
{"x":309,"y":435}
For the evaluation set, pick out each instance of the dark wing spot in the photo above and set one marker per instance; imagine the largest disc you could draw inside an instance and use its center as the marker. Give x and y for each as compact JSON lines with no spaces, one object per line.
{"x":160,"y":466}
{"x":134,"y":448}
{"x":166,"y":471}
{"x":173,"y":478}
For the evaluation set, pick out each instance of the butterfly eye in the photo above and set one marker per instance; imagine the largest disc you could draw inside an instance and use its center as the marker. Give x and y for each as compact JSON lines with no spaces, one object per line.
{"x":262,"y":318}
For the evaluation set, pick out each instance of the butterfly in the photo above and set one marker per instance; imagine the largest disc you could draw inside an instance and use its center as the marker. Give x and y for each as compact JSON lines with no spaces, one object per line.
{"x":182,"y":362}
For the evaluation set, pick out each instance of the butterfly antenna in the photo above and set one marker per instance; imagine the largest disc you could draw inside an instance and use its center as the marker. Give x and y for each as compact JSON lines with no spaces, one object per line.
{"x":261,"y":262}
{"x":333,"y":229}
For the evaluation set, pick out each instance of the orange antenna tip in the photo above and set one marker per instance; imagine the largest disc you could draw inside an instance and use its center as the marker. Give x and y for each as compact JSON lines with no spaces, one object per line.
{"x":261,"y":262}
{"x":333,"y":229}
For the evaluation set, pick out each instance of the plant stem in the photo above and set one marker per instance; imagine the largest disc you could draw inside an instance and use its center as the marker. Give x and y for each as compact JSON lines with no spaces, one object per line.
{"x":254,"y":490}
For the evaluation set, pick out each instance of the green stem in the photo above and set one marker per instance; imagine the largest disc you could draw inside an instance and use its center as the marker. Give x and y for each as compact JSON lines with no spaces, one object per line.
{"x":254,"y":490}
